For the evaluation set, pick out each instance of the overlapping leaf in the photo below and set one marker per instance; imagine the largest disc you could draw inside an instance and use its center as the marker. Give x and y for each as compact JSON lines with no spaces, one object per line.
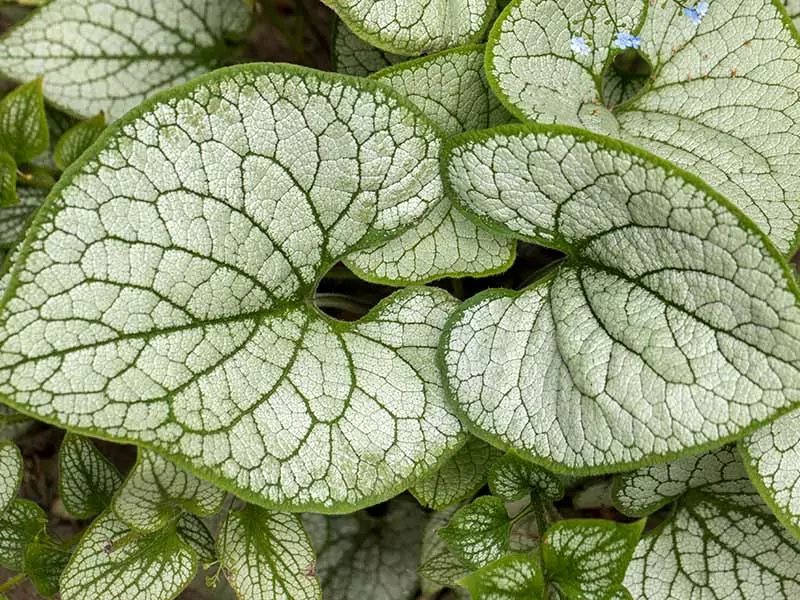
{"x":112,"y":55}
{"x":23,"y":123}
{"x":20,"y":524}
{"x":439,"y":567}
{"x":14,"y":218}
{"x":512,"y":478}
{"x":513,"y":577}
{"x":87,"y":481}
{"x":451,"y":89}
{"x":10,"y":473}
{"x":414,"y":27}
{"x":181,"y":260}
{"x":722,"y":100}
{"x":112,"y":561}
{"x":479,"y":532}
{"x":673,"y":323}
{"x":361,"y":556}
{"x":267,"y":556}
{"x":44,"y":564}
{"x":353,"y":56}
{"x":156,"y":491}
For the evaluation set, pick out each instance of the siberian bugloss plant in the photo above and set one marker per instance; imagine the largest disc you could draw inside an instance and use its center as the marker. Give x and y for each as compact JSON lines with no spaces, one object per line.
{"x":501,"y":309}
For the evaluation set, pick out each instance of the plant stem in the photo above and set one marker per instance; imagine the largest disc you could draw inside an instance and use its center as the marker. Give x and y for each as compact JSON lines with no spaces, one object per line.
{"x":10,"y":583}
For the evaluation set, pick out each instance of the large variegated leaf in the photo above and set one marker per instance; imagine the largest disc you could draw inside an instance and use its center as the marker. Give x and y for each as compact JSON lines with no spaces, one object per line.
{"x":87,"y":480}
{"x":451,"y":89}
{"x":362,"y":556}
{"x":716,"y":544}
{"x":673,"y":324}
{"x":112,"y":561}
{"x":156,"y":491}
{"x":723,"y":99}
{"x":412,"y":27}
{"x":459,"y":477}
{"x":180,"y":260}
{"x":353,"y":56}
{"x":10,"y":473}
{"x":266,"y":555}
{"x":772,"y":458}
{"x":112,"y":55}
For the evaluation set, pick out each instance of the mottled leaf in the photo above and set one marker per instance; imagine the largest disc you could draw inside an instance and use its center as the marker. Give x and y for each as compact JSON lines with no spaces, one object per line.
{"x":512,"y":478}
{"x":20,"y":523}
{"x":513,"y":577}
{"x":10,"y":473}
{"x":87,"y":480}
{"x":14,"y":219}
{"x":44,"y":564}
{"x":353,"y":56}
{"x":479,"y":532}
{"x":77,"y":139}
{"x":23,"y":122}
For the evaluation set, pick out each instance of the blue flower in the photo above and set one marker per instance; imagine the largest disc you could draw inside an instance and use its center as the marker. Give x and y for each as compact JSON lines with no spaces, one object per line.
{"x":697,"y":12}
{"x":626,"y":40}
{"x":579,"y":46}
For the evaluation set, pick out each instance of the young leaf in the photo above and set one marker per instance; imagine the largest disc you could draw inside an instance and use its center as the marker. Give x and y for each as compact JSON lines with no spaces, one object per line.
{"x":87,"y":480}
{"x":14,"y":219}
{"x":713,"y":548}
{"x":722,"y":100}
{"x":513,"y":577}
{"x":670,"y":327}
{"x":720,"y":473}
{"x":479,"y":532}
{"x":10,"y":473}
{"x":156,"y":491}
{"x":194,"y":533}
{"x":439,"y":567}
{"x":414,"y":26}
{"x":458,"y":478}
{"x":44,"y":564}
{"x":8,"y":186}
{"x":451,"y":89}
{"x":110,"y":56}
{"x":112,"y":561}
{"x":587,"y":558}
{"x":771,"y":459}
{"x":361,"y":556}
{"x":512,"y":478}
{"x":353,"y":56}
{"x":23,"y":122}
{"x":181,"y":314}
{"x":77,"y":139}
{"x":20,"y":523}
{"x":266,"y":555}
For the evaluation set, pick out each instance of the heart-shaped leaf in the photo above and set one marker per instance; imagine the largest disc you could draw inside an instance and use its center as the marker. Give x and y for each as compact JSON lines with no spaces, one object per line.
{"x":156,"y":491}
{"x":194,"y":533}
{"x":20,"y":524}
{"x":512,"y":478}
{"x":365,"y":556}
{"x":112,"y":55}
{"x":722,"y":99}
{"x":87,"y":481}
{"x":413,"y":27}
{"x":451,"y":89}
{"x":10,"y":473}
{"x":459,"y":477}
{"x":267,"y":556}
{"x":671,"y":325}
{"x":180,"y":315}
{"x":23,"y":122}
{"x":479,"y":532}
{"x":513,"y":577}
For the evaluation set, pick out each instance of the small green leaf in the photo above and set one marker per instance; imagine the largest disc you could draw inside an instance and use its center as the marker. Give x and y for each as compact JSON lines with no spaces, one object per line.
{"x":451,"y":89}
{"x":615,"y":357}
{"x":14,"y":219}
{"x":112,"y":561}
{"x":110,"y":56}
{"x":77,"y":139}
{"x":361,"y":556}
{"x":587,"y":558}
{"x":512,"y":478}
{"x":458,"y":478}
{"x":44,"y":564}
{"x":156,"y":491}
{"x":10,"y":473}
{"x":479,"y":532}
{"x":353,"y":56}
{"x":87,"y":479}
{"x":719,"y":473}
{"x":267,"y":556}
{"x":23,"y":122}
{"x":8,"y":186}
{"x":698,"y":106}
{"x":181,"y":315}
{"x":415,"y":27}
{"x":21,"y":522}
{"x":439,"y":567}
{"x":513,"y":577}
{"x":194,"y":533}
